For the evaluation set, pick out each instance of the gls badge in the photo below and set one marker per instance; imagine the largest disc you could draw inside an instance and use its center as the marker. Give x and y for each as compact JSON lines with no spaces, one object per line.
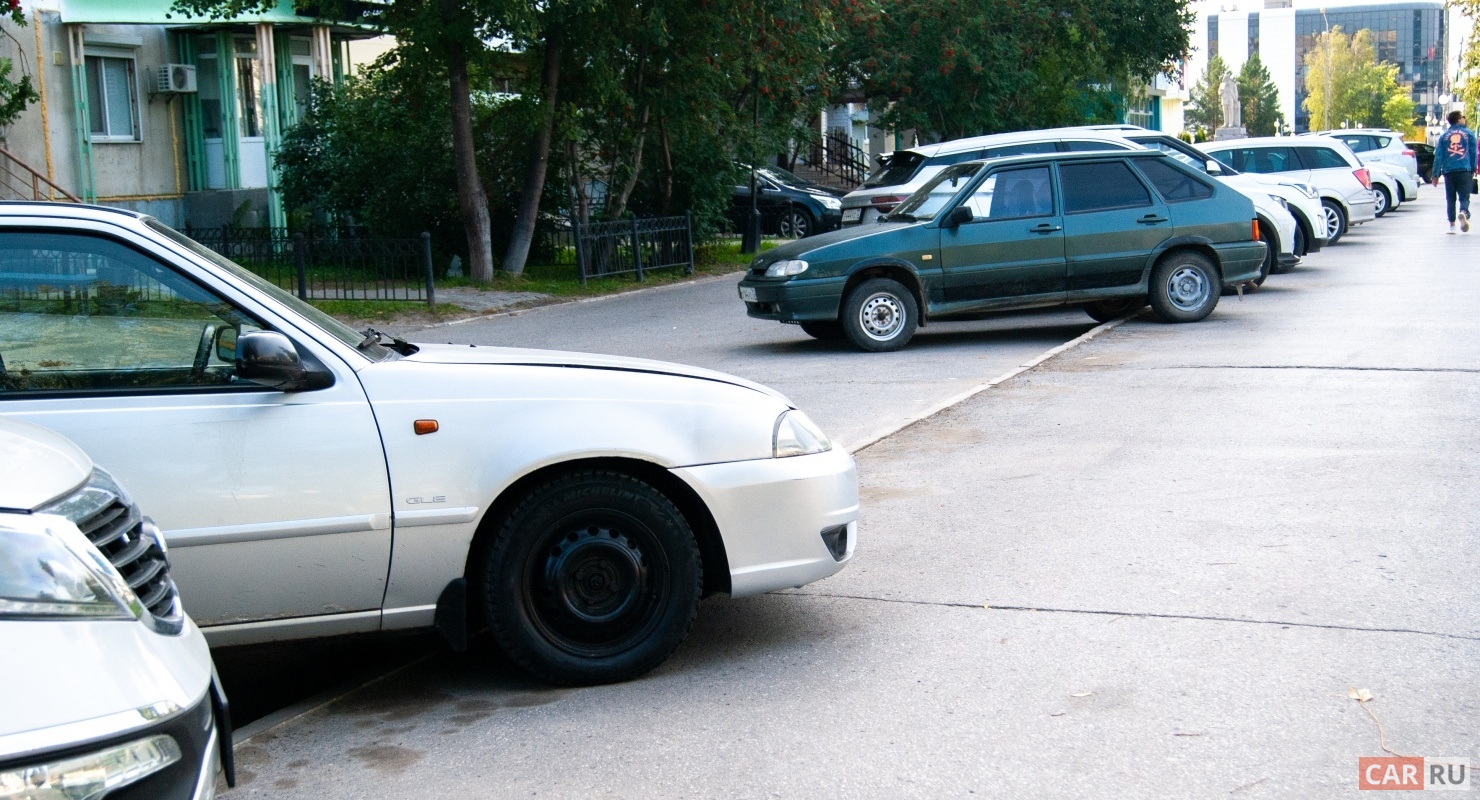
{"x":424,"y":500}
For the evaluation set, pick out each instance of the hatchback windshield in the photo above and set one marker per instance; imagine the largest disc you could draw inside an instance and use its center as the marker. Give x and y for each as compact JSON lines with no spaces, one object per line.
{"x":929,"y":199}
{"x":901,"y":167}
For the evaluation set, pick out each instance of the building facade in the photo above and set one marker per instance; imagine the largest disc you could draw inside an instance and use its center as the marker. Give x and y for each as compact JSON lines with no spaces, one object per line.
{"x":171,"y":116}
{"x":1423,"y":38}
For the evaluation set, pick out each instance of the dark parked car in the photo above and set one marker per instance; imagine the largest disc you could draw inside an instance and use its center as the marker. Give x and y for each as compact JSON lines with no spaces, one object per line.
{"x":1109,"y":231}
{"x":1425,"y":155}
{"x":790,"y":206}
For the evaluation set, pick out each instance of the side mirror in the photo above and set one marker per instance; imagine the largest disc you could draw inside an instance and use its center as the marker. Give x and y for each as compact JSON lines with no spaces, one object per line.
{"x":270,"y":359}
{"x":960,"y":215}
{"x":226,"y":343}
{"x":1214,"y":168}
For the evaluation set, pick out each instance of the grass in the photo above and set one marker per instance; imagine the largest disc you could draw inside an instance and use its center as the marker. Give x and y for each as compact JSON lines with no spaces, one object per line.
{"x":382,"y":309}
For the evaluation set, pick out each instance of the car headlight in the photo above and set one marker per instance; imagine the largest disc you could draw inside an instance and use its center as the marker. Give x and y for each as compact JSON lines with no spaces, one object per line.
{"x":781,"y":269}
{"x":796,"y":435}
{"x":51,"y":570}
{"x":831,"y":203}
{"x":1281,"y":201}
{"x":90,"y":776}
{"x":1305,"y":189}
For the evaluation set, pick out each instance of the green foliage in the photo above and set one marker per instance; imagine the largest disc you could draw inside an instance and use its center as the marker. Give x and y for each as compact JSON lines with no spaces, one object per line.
{"x":15,"y":95}
{"x":953,"y":68}
{"x":1346,"y":84}
{"x":1259,"y":99}
{"x":1205,"y":106}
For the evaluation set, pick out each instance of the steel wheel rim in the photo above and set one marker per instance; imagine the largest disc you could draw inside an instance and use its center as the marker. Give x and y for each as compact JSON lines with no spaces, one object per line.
{"x":1333,"y":222}
{"x":595,"y":583}
{"x":1188,"y":288}
{"x":881,"y":316}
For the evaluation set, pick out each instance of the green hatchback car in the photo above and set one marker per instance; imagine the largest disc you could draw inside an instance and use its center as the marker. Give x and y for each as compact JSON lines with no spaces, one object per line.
{"x":1109,"y":231}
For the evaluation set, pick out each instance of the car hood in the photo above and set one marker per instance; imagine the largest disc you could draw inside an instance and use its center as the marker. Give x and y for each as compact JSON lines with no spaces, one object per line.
{"x":801,"y":247}
{"x":528,"y":357}
{"x":37,"y":465}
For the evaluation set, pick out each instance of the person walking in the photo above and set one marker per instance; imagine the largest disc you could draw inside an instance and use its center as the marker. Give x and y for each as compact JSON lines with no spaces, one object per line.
{"x":1455,"y":159}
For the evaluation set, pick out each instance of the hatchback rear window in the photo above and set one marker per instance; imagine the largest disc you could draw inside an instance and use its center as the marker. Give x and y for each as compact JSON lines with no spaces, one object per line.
{"x":1101,"y":185}
{"x":1174,"y":185}
{"x":903,"y":165}
{"x":1322,"y":158}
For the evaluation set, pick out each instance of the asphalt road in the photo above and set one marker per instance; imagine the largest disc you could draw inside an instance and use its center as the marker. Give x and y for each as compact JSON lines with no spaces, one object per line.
{"x":1152,"y":567}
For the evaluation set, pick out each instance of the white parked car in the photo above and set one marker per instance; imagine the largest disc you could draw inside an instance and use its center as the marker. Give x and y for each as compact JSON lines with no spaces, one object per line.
{"x":315,"y":480}
{"x":1391,"y":185}
{"x":106,"y":686}
{"x":1345,"y":185}
{"x":1383,"y":145}
{"x":904,"y":171}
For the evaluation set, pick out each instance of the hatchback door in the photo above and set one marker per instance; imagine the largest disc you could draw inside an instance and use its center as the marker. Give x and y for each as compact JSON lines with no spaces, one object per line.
{"x":1012,"y":251}
{"x":273,"y":504}
{"x":1112,"y":223}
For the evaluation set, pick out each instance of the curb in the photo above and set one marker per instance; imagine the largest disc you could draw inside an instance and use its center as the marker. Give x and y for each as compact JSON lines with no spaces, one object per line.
{"x":884,"y":433}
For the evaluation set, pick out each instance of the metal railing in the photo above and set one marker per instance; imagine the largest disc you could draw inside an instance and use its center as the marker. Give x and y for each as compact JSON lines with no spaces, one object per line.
{"x":835,"y":156}
{"x":21,"y":181}
{"x":633,"y":246}
{"x":329,"y":265}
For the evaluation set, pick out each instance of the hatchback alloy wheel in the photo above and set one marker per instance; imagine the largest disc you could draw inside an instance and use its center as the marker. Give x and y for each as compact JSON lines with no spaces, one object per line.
{"x":796,"y":225}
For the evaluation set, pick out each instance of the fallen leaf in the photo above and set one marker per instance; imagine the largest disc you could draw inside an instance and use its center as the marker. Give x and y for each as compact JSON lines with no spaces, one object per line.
{"x":1057,"y":714}
{"x":1081,"y":694}
{"x":1359,"y":695}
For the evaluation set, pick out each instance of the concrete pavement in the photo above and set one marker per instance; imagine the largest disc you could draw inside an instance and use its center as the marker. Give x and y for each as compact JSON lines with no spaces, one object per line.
{"x":1152,"y":567}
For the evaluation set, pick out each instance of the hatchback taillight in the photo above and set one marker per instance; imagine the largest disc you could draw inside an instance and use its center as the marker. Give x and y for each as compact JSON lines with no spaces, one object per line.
{"x":1364,"y":177}
{"x":887,"y":202}
{"x":1409,"y":153}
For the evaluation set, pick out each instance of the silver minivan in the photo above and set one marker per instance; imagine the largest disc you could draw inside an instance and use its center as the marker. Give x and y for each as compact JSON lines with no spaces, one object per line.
{"x":904,"y":171}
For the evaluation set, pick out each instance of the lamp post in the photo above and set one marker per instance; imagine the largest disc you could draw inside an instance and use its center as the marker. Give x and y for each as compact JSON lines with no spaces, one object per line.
{"x":1326,"y":106}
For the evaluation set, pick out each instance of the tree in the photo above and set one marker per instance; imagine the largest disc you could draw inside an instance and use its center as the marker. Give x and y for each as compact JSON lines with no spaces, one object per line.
{"x":15,"y":95}
{"x":1346,"y":84}
{"x":1259,"y":99}
{"x":1204,"y":113}
{"x":954,"y":68}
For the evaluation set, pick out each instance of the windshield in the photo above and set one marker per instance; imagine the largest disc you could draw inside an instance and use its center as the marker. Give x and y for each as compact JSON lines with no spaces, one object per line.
{"x":783,"y":177}
{"x":928,"y":200}
{"x":900,"y":167}
{"x":332,"y":326}
{"x":1185,"y":153}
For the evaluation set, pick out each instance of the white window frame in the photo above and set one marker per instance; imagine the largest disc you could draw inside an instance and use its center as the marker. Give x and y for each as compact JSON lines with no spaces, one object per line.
{"x":136,"y":105}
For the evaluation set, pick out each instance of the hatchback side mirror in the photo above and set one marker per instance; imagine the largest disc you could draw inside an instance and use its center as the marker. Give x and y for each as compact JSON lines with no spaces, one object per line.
{"x":270,"y":359}
{"x":1214,"y":168}
{"x":960,"y":215}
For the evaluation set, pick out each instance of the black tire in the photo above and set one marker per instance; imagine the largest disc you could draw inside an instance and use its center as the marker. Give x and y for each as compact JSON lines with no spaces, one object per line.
{"x":1334,"y":214}
{"x":880,"y":315}
{"x":1301,"y":248}
{"x":827,"y":330}
{"x":594,"y":577}
{"x":1384,"y":199}
{"x":1106,"y":310}
{"x":1184,"y":287}
{"x":1271,"y":256}
{"x":796,"y":224}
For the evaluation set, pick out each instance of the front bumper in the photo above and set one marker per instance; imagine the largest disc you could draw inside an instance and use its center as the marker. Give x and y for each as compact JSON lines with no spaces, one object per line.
{"x":793,"y":300}
{"x":1288,"y":261}
{"x":772,"y":512}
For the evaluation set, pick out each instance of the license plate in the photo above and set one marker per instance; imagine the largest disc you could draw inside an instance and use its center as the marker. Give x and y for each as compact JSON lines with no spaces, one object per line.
{"x":852,"y":214}
{"x":747,"y":293}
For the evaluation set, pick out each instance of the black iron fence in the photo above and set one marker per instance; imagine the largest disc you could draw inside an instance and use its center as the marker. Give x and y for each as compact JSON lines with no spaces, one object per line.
{"x":634,"y":246}
{"x":334,"y":264}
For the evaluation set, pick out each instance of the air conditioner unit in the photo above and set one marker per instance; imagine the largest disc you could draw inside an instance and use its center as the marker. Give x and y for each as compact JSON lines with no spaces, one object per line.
{"x":175,"y":78}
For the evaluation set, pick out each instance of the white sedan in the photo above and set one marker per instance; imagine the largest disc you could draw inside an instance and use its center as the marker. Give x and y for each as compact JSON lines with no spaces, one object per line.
{"x":313,"y":480}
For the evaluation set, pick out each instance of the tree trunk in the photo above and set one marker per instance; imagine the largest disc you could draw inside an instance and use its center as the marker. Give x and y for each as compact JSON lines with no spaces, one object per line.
{"x":471,"y":201}
{"x":626,"y":193}
{"x":667,"y":165}
{"x":578,"y":182}
{"x":539,"y":158}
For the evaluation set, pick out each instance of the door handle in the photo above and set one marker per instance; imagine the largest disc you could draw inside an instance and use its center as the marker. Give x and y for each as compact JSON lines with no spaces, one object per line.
{"x":1151,"y":219}
{"x":1045,"y":227}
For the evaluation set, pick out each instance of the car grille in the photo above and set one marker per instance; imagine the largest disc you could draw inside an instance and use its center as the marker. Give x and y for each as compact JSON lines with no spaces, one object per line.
{"x":130,"y":542}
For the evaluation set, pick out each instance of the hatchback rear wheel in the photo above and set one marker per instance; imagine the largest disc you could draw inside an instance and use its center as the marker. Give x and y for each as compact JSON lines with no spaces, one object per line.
{"x":1335,"y":221}
{"x":1383,"y":198}
{"x":1184,"y":287}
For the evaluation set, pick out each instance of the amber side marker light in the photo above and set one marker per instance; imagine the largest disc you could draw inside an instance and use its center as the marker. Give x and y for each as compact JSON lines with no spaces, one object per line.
{"x":424,"y":426}
{"x":1256,"y":238}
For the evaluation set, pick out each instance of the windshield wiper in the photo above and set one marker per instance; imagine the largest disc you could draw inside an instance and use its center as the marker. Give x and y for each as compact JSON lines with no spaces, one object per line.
{"x":373,"y":336}
{"x":901,"y":215}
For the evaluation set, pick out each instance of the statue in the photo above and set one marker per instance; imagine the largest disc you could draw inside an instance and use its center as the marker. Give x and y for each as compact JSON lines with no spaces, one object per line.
{"x":1232,"y":116}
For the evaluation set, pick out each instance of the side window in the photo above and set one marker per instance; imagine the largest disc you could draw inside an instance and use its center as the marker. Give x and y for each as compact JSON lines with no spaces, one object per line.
{"x":1323,"y":158}
{"x":1081,"y":146}
{"x":1101,"y":185}
{"x":1013,"y":194}
{"x":1357,"y":142}
{"x":1174,"y":185}
{"x":1382,"y":142}
{"x":1023,"y":149}
{"x":1271,"y":159}
{"x":1232,"y":158}
{"x":85,"y":313}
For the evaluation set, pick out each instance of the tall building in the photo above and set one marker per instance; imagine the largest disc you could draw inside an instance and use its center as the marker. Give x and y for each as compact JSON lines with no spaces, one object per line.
{"x":1422,"y":37}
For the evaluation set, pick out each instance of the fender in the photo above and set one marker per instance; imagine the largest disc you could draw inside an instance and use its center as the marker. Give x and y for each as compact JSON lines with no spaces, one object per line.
{"x":1200,"y":243}
{"x":919,"y":285}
